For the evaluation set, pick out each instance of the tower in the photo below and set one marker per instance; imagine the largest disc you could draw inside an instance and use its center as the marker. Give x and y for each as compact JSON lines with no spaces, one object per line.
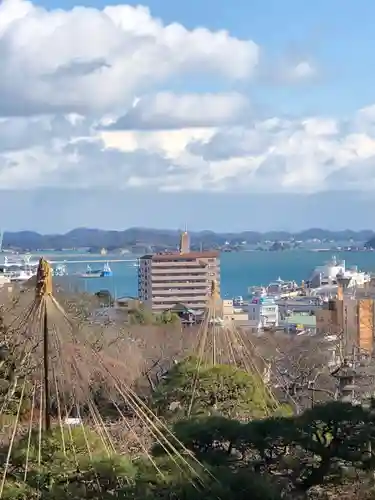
{"x":341,"y":315}
{"x":185,"y":242}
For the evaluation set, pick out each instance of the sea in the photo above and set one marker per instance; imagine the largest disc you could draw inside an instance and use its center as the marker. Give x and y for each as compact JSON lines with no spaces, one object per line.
{"x":239,"y":270}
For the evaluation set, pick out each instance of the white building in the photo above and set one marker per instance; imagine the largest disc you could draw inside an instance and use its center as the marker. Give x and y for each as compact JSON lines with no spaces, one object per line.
{"x":233,"y":313}
{"x":328,"y":274}
{"x":263,"y":312}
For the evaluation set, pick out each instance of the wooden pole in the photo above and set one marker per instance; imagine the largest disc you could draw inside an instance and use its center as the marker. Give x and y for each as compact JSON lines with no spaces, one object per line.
{"x":47,"y":416}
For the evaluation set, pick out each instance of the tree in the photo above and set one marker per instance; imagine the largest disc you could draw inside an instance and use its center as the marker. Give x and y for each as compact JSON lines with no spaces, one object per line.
{"x":313,"y":448}
{"x":324,"y":446}
{"x":14,"y":368}
{"x":300,"y":369}
{"x":334,"y":436}
{"x":168,"y":317}
{"x":59,"y":468}
{"x":211,"y":438}
{"x":188,"y":389}
{"x":140,"y":316}
{"x":105,"y":298}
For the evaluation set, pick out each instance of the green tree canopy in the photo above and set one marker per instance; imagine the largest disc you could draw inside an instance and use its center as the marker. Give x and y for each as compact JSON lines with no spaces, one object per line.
{"x":188,"y":389}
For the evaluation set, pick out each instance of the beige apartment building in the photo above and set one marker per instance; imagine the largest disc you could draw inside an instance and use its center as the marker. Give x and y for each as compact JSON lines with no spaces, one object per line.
{"x":183,"y":277}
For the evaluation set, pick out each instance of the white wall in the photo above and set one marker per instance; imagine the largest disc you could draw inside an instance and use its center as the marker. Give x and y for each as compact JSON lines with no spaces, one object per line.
{"x":260,"y":315}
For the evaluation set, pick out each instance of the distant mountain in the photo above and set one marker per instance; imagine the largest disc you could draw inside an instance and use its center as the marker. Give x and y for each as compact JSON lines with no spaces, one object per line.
{"x":164,"y":238}
{"x":370,"y":243}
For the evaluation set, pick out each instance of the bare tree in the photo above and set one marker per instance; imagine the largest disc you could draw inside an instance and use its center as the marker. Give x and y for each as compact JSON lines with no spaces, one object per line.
{"x":300,"y":370}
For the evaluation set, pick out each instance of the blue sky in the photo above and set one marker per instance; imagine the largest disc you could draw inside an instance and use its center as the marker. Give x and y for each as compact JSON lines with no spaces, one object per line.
{"x":338,"y":35}
{"x":145,"y":105}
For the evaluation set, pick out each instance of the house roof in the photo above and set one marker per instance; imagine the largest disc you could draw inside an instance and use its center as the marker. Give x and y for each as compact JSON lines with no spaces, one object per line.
{"x":181,"y":308}
{"x":126,"y":297}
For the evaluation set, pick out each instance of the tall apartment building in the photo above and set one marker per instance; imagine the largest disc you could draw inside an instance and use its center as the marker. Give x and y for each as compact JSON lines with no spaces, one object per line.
{"x":183,"y":277}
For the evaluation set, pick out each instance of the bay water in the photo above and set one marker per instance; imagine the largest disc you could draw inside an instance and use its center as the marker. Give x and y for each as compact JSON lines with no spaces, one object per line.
{"x":239,"y":270}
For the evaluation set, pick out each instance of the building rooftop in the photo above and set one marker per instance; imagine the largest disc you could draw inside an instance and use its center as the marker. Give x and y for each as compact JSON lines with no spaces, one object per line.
{"x":180,"y":256}
{"x":126,"y":298}
{"x":301,"y":319}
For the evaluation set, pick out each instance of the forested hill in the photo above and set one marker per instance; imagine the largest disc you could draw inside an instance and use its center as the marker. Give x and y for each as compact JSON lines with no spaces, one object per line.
{"x":98,"y":238}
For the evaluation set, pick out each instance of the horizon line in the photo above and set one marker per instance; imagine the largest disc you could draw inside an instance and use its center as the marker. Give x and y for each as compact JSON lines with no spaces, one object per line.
{"x":179,"y":230}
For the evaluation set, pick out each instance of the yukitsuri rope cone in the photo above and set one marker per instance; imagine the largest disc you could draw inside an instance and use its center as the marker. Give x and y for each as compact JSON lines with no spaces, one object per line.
{"x":55,"y":384}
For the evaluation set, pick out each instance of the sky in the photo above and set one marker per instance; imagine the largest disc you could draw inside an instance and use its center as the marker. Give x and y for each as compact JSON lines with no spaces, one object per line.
{"x":219,"y":115}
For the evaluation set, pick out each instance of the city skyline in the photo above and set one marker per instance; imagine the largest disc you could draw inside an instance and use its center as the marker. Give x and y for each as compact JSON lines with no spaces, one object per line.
{"x":110,"y":115}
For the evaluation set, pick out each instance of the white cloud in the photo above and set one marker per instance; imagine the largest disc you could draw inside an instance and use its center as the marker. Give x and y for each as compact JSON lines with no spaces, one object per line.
{"x":166,"y":110}
{"x":67,"y":76}
{"x":87,"y":60}
{"x":311,"y":155}
{"x":303,"y":70}
{"x":272,"y":155}
{"x":288,"y":70}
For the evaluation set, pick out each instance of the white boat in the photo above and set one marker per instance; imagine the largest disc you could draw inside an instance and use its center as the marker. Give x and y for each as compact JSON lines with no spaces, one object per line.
{"x":18,"y":268}
{"x":107,"y":271}
{"x":329,"y":274}
{"x":281,"y":288}
{"x":60,"y":270}
{"x":91,"y":273}
{"x":238,"y":301}
{"x":20,"y":261}
{"x":21,"y":276}
{"x":257,"y":291}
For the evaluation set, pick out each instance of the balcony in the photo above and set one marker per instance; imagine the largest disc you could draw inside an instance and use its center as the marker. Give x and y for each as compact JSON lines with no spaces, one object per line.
{"x":184,"y":265}
{"x":182,"y":271}
{"x":176,"y":285}
{"x":180,"y":298}
{"x":160,"y":306}
{"x":180,"y":263}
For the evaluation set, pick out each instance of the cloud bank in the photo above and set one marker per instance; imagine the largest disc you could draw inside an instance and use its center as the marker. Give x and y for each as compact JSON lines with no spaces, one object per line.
{"x":87,"y":101}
